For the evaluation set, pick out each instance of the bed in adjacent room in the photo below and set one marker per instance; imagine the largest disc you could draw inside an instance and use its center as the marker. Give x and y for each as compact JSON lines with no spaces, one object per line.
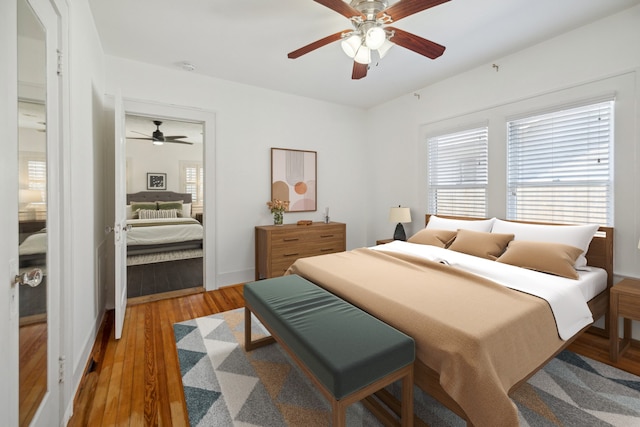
{"x":160,"y":222}
{"x":488,"y":302}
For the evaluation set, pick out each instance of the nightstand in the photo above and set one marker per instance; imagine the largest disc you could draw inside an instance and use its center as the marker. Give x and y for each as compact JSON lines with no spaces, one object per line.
{"x":383,"y":241}
{"x":624,"y":301}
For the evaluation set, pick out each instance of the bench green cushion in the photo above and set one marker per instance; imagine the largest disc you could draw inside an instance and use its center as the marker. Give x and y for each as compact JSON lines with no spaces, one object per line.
{"x":343,"y":346}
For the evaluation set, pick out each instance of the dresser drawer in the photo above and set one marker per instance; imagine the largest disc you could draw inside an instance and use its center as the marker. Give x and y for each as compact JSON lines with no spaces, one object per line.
{"x":277,"y":247}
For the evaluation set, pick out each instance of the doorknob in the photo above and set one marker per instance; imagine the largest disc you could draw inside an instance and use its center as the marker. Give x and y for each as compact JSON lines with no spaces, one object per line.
{"x":32,"y":278}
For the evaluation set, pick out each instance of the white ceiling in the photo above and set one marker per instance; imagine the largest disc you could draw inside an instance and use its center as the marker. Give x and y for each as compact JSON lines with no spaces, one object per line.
{"x":247,"y":41}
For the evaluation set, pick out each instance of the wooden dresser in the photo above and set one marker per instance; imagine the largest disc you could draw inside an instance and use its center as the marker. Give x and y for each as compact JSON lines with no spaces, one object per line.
{"x":277,"y":247}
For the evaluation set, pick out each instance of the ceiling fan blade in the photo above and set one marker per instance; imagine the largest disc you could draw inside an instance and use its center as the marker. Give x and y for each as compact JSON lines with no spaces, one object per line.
{"x":175,"y":137}
{"x":415,"y":43}
{"x":342,"y":8}
{"x":359,"y":70}
{"x":175,"y":141}
{"x":140,"y":133}
{"x":317,"y":44}
{"x":404,"y":8}
{"x":146,"y":139}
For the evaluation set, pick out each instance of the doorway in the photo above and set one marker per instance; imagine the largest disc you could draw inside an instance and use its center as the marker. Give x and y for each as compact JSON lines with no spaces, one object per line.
{"x":165,"y":206}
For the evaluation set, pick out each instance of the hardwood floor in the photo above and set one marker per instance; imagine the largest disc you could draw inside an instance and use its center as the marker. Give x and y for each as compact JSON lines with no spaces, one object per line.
{"x":136,"y":381}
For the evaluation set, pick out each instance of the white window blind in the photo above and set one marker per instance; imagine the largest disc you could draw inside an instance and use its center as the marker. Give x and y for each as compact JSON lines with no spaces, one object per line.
{"x":37,"y":176}
{"x":193,"y":180}
{"x":560,"y":166}
{"x":458,"y":173}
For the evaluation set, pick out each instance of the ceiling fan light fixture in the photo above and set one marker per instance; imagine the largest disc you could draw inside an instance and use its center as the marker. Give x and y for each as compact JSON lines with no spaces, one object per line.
{"x":351,"y":45}
{"x":363,"y":56}
{"x":384,"y":49}
{"x":157,"y":142}
{"x":375,"y":38}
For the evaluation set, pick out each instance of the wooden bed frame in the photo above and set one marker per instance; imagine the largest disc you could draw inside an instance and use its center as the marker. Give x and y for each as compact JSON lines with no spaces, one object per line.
{"x":600,"y":254}
{"x":161,"y":196}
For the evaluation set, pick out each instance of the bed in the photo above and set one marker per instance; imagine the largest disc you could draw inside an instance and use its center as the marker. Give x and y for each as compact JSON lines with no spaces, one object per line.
{"x":161,"y":221}
{"x":477,"y":339}
{"x":33,"y":250}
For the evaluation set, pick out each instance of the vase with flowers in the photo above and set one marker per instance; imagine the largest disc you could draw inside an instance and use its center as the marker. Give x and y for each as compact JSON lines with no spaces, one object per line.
{"x":277,"y":208}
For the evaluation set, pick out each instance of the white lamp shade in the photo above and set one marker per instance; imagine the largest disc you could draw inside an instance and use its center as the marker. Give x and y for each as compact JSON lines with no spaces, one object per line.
{"x":382,"y":50}
{"x":363,"y":56}
{"x":400,"y":214}
{"x":351,"y":45}
{"x":375,"y":38}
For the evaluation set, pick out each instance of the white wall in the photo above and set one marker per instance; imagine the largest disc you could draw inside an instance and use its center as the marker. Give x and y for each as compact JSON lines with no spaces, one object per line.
{"x":144,"y":157}
{"x":83,"y":162}
{"x":249,"y":121}
{"x":596,"y":59}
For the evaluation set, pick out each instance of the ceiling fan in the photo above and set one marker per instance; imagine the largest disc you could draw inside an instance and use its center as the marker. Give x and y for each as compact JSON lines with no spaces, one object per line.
{"x":159,"y":138}
{"x":368,"y":18}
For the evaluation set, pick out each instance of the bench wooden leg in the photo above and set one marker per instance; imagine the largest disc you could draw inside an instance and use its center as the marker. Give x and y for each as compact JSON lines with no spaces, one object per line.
{"x":407,"y":400}
{"x":338,"y":413}
{"x":248,"y":343}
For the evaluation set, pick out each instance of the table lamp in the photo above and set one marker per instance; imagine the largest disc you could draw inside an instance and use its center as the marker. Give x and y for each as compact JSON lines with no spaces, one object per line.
{"x":400,"y":215}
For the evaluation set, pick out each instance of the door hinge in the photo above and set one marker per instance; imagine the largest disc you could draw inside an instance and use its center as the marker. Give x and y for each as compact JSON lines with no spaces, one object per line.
{"x":61,"y":362}
{"x":59,"y":70}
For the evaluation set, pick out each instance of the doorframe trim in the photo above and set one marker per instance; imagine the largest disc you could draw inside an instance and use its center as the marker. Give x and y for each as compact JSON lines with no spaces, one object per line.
{"x":208,"y":119}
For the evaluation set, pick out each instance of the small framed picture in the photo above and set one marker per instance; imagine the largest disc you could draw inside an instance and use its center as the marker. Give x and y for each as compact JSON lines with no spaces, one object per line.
{"x":156,"y":181}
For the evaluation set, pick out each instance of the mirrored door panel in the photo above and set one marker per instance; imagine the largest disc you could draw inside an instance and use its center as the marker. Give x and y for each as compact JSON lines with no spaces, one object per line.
{"x":32,"y":212}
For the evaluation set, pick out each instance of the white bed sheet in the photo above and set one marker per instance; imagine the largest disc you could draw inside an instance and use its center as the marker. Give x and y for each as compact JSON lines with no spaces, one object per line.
{"x":161,"y":232}
{"x":34,"y":244}
{"x":566,"y":297}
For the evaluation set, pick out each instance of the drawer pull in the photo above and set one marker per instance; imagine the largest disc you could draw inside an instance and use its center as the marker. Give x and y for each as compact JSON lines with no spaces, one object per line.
{"x":326,"y":250}
{"x":296,"y":254}
{"x":291,"y":239}
{"x":324,"y":236}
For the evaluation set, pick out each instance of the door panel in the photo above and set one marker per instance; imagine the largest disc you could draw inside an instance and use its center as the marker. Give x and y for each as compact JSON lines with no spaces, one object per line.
{"x":39,"y":206}
{"x":120,"y":227}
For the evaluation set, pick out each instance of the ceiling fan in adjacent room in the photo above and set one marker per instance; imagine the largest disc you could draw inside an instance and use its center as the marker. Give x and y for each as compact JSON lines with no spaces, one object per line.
{"x":159,"y":138}
{"x":369,"y":18}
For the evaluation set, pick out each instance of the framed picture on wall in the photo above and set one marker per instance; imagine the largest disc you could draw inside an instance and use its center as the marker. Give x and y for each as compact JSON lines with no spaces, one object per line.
{"x":156,"y":181}
{"x":293,"y":178}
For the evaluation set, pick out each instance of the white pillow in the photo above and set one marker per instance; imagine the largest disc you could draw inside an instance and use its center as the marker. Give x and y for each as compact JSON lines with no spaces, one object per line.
{"x":162,"y":213}
{"x":439,"y":223}
{"x":129,"y":212}
{"x":578,"y":236}
{"x":186,"y":210}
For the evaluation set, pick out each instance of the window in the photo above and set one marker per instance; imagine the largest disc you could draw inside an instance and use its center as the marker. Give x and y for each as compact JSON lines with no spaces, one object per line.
{"x":458,"y":173}
{"x":192,"y":178}
{"x":37,"y":176}
{"x":560,"y":166}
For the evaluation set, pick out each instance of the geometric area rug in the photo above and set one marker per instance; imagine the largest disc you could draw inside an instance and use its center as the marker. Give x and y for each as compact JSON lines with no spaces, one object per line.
{"x":226,"y":386}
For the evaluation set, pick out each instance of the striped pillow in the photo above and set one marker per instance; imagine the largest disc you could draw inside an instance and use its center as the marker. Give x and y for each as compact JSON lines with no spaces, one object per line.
{"x":154,"y":214}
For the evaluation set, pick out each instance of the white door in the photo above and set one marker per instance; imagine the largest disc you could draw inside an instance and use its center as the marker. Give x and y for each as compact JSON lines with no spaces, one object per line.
{"x":120,"y":226}
{"x":9,"y":215}
{"x":38,"y":82}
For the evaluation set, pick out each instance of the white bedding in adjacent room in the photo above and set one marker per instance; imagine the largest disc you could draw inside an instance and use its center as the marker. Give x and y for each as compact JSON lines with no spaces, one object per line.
{"x":34,"y":244}
{"x":163,"y":230}
{"x":566,"y":297}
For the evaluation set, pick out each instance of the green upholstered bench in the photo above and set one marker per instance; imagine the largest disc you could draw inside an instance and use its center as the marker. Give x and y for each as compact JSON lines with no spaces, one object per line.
{"x":346,"y":352}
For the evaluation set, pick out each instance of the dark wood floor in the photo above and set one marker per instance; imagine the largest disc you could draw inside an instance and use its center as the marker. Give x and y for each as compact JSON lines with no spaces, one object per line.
{"x":160,"y":277}
{"x":136,"y":381}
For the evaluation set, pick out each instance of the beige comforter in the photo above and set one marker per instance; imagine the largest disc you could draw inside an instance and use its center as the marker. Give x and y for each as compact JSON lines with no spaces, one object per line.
{"x":480,"y":337}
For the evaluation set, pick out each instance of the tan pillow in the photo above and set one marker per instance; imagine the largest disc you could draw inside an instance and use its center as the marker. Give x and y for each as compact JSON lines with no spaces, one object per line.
{"x":552,"y":258}
{"x":428,"y":236}
{"x":481,"y":244}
